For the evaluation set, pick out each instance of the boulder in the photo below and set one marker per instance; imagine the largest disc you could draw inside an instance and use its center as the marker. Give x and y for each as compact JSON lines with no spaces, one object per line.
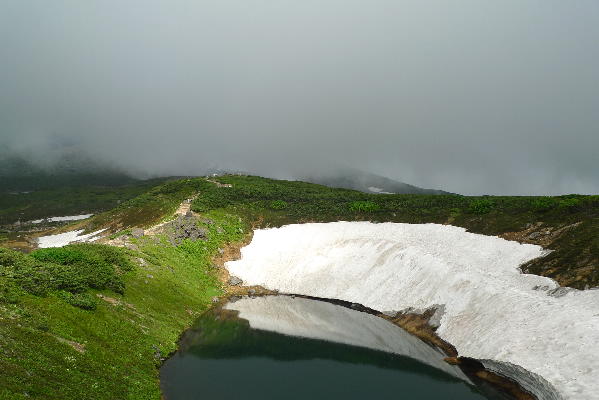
{"x":183,"y":228}
{"x":560,"y":291}
{"x":137,"y":232}
{"x":235,"y":281}
{"x":534,"y":235}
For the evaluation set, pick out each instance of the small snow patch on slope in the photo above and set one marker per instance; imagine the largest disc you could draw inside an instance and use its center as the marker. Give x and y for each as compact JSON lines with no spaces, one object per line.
{"x":492,"y":310}
{"x":62,"y":239}
{"x":377,"y":190}
{"x":62,"y":219}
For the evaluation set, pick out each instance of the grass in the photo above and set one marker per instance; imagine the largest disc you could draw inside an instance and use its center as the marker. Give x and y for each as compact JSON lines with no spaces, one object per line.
{"x":138,"y":319}
{"x":91,"y":321}
{"x":150,"y":207}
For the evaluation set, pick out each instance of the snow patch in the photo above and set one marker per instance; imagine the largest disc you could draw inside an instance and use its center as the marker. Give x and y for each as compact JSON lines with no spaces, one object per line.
{"x":62,"y":239}
{"x":492,"y":311}
{"x":61,"y":219}
{"x":377,"y":190}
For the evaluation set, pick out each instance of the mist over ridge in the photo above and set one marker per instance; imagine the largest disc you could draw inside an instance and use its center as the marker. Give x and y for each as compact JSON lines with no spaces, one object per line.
{"x":467,"y":96}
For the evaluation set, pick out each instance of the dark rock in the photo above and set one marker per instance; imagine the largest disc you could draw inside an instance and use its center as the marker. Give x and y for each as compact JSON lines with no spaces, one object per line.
{"x":539,"y":287}
{"x":183,"y":228}
{"x":560,"y":291}
{"x":435,"y":319}
{"x":157,"y":352}
{"x":235,"y":281}
{"x":189,"y":214}
{"x":534,"y":235}
{"x":137,"y":232}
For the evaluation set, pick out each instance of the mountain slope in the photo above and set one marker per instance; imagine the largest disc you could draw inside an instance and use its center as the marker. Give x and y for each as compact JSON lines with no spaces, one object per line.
{"x":368,"y":182}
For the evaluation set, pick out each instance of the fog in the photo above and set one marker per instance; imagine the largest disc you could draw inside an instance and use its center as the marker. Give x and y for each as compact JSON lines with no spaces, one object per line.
{"x":469,"y":96}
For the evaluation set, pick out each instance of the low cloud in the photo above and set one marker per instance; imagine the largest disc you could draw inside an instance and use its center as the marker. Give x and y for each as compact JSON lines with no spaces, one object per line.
{"x":467,"y":96}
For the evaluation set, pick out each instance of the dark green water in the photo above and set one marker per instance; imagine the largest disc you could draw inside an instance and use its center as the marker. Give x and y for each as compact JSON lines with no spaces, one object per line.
{"x":223,"y":357}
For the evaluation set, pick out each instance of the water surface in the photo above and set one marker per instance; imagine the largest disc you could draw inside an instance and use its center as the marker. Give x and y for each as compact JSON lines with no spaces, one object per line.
{"x":293,"y":348}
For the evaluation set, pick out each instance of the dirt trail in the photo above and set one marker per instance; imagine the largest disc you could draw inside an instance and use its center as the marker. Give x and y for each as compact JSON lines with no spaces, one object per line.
{"x":183,"y":210}
{"x":218,"y":184}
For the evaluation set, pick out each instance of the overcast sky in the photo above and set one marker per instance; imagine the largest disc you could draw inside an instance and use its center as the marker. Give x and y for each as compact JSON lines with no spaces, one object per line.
{"x":470,"y":96}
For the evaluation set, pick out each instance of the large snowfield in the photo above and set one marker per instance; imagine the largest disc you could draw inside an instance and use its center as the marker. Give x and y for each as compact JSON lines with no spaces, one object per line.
{"x":511,"y":321}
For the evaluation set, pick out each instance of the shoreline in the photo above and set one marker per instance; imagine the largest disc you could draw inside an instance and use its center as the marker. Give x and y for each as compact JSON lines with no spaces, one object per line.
{"x":417,"y":325}
{"x":293,"y":256}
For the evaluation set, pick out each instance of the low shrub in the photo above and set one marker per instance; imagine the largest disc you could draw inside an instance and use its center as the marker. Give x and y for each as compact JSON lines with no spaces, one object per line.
{"x":9,"y":291}
{"x":73,"y":269}
{"x":454,"y":212}
{"x":84,"y":301}
{"x":481,"y":206}
{"x":571,"y":202}
{"x":363,"y":206}
{"x":278,"y":205}
{"x":86,"y":266}
{"x":544,"y":203}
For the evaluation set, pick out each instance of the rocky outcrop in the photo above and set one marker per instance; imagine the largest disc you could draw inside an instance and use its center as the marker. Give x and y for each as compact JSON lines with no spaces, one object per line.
{"x":183,"y":228}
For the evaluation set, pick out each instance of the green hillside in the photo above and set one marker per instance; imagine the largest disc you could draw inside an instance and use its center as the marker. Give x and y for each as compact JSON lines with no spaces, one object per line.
{"x":94,"y":321}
